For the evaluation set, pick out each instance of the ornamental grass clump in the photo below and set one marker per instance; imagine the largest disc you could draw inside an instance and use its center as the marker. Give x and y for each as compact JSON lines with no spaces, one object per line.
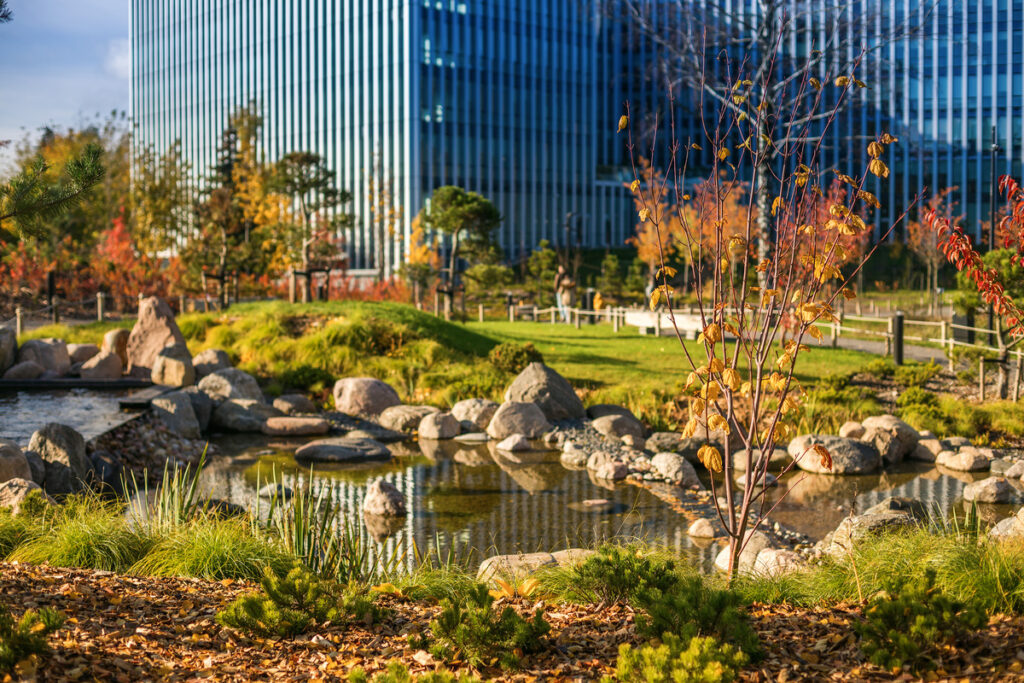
{"x":909,"y":626}
{"x":27,"y":636}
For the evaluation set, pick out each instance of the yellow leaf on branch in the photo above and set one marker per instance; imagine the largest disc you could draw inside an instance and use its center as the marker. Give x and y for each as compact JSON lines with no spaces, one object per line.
{"x":718,"y":423}
{"x":623,"y":123}
{"x":710,"y":458}
{"x":878,"y":167}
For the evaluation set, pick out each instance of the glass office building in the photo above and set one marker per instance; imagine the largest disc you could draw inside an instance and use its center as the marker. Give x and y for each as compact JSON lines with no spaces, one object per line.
{"x":518,"y":100}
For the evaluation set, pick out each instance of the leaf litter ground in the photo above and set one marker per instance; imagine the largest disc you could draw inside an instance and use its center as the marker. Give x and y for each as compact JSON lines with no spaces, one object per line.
{"x":127,"y":628}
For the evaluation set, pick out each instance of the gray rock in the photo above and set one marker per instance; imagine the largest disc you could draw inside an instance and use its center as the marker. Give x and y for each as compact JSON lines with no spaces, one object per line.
{"x":342,"y":449}
{"x":8,"y":348}
{"x":104,"y":365}
{"x":926,"y":450}
{"x":774,"y":562}
{"x":13,"y":493}
{"x":241,"y":415}
{"x":991,"y":490}
{"x":855,"y":528}
{"x":383,"y":500}
{"x":612,"y":470}
{"x":108,"y":473}
{"x":604,"y":409}
{"x":63,"y":450}
{"x":851,"y":430}
{"x":573,"y":457}
{"x":363,"y":396}
{"x":439,"y":426}
{"x":952,"y":443}
{"x":964,"y":460}
{"x":902,"y":439}
{"x":702,"y":528}
{"x":175,"y":410}
{"x":755,"y":542}
{"x":778,"y":460}
{"x":910,"y":506}
{"x":173,"y":368}
{"x":49,"y":354}
{"x":24,"y":371}
{"x":295,"y":426}
{"x":513,"y":567}
{"x":1015,"y":471}
{"x":80,"y":353}
{"x":1000,"y":466}
{"x":664,"y":442}
{"x":202,"y":406}
{"x":518,"y":418}
{"x":116,"y":342}
{"x":675,"y":469}
{"x":472,"y":437}
{"x":405,"y":418}
{"x":619,"y":426}
{"x":1011,"y":528}
{"x":154,"y":331}
{"x":552,"y":393}
{"x":210,"y":361}
{"x":13,"y":464}
{"x":514,"y":444}
{"x":36,"y":466}
{"x":849,"y":456}
{"x":294,"y":404}
{"x":478,"y":411}
{"x":231,"y":383}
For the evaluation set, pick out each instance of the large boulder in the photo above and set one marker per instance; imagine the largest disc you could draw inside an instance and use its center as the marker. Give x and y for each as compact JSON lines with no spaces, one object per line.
{"x":1011,"y":528}
{"x":49,"y":354}
{"x":364,"y":396}
{"x":173,"y":368}
{"x":231,"y":383}
{"x":104,"y":365}
{"x":13,"y":464}
{"x":855,"y":528}
{"x":154,"y":331}
{"x":383,"y":499}
{"x":893,"y":438}
{"x":295,"y":404}
{"x":23,"y":371}
{"x":910,"y":506}
{"x":82,"y":352}
{"x":991,"y":490}
{"x":8,"y":348}
{"x":777,"y":461}
{"x":965,"y":460}
{"x":552,"y":393}
{"x":619,"y":426}
{"x":63,"y":450}
{"x":405,"y":418}
{"x":116,"y":342}
{"x":175,"y":410}
{"x":202,"y":406}
{"x":37,"y":466}
{"x":14,"y":492}
{"x":242,"y":415}
{"x":675,"y":469}
{"x":108,"y":473}
{"x":604,"y":409}
{"x":210,"y":361}
{"x":475,"y":411}
{"x":851,"y":430}
{"x":343,"y":449}
{"x":438,"y":426}
{"x":849,"y":456}
{"x":926,"y":450}
{"x":513,"y":567}
{"x":296,"y":426}
{"x":518,"y":418}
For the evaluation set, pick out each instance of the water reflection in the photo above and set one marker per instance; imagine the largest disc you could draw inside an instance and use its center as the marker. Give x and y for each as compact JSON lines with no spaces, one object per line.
{"x":89,"y":412}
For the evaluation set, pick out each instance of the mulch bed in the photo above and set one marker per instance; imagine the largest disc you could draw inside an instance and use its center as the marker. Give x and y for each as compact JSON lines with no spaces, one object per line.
{"x":125,"y":628}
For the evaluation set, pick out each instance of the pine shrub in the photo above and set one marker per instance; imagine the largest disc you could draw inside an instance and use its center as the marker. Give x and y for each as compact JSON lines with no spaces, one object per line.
{"x":293,"y":604}
{"x":26,"y":636}
{"x":473,"y":631}
{"x":618,"y":574}
{"x":399,"y":673}
{"x":679,"y":660}
{"x":905,"y":627}
{"x":513,"y":358}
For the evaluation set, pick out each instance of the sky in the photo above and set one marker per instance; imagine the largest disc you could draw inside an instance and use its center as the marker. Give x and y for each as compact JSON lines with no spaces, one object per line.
{"x":62,"y":62}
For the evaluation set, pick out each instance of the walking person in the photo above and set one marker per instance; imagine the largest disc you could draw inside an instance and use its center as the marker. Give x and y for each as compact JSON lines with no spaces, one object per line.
{"x":564,"y":287}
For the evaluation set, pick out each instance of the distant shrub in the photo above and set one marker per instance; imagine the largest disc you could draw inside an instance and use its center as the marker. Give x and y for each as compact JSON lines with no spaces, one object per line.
{"x":677,"y":660}
{"x":836,"y":381}
{"x":907,"y":626}
{"x":915,"y":395}
{"x":471,"y":630}
{"x":26,"y":636}
{"x":513,"y":358}
{"x":916,"y":374}
{"x":880,"y":367}
{"x":306,"y":377}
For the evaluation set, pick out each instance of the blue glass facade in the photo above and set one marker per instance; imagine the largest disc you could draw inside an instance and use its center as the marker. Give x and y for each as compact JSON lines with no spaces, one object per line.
{"x":518,"y":99}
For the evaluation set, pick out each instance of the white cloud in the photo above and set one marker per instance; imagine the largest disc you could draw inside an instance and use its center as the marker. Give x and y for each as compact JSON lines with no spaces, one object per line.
{"x":119,"y":58}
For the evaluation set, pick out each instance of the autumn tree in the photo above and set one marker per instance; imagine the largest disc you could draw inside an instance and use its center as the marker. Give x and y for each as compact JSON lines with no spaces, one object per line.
{"x":385,"y":213}
{"x":422,"y":260}
{"x":706,"y":51}
{"x":160,"y":200}
{"x":306,"y":180}
{"x":924,"y":240}
{"x":468,"y":220}
{"x":740,"y":392}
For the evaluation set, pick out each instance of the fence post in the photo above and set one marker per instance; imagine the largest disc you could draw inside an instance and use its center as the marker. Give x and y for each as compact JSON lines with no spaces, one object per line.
{"x":99,"y":306}
{"x":553,"y":315}
{"x":576,"y":313}
{"x":897,"y":338}
{"x":437,"y":302}
{"x":615,"y":319}
{"x":836,"y":324}
{"x":535,"y":319}
{"x":480,"y":312}
{"x":19,"y":321}
{"x":981,"y":378}
{"x":1016,"y":379}
{"x":511,"y":313}
{"x":657,"y":323}
{"x":888,"y":337}
{"x":181,"y":304}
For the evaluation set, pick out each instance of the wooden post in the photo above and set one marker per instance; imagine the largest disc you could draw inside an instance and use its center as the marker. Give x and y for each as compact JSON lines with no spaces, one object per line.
{"x":437,"y":302}
{"x":19,"y":321}
{"x":480,"y":312}
{"x":99,"y":306}
{"x":535,"y":314}
{"x":981,"y":378}
{"x":54,"y":311}
{"x":657,"y":323}
{"x":576,"y":313}
{"x":615,"y":319}
{"x":291,"y":286}
{"x":554,"y":312}
{"x":888,"y":337}
{"x":511,"y":313}
{"x":181,"y":304}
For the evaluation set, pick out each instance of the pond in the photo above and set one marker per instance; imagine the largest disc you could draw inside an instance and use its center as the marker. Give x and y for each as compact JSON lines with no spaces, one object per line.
{"x":90,"y":412}
{"x":475,"y":501}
